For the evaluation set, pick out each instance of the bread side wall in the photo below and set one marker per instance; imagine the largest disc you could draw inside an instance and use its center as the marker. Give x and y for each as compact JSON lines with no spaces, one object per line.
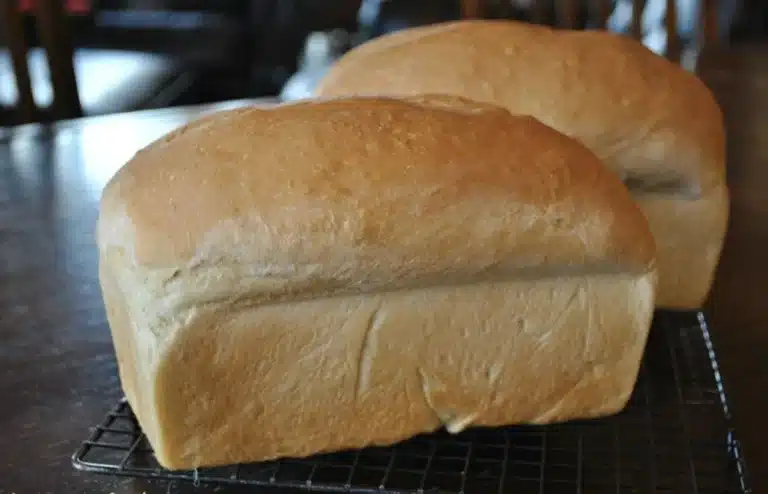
{"x":689,"y":237}
{"x":141,"y":328}
{"x":135,"y":358}
{"x":293,"y":379}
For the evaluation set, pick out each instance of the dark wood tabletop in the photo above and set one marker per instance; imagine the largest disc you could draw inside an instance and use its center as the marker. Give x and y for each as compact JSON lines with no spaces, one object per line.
{"x":738,"y":307}
{"x":58,"y":375}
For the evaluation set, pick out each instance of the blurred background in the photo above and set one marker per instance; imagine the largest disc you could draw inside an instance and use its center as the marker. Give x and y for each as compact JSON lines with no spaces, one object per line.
{"x":64,"y":59}
{"x":108,"y":56}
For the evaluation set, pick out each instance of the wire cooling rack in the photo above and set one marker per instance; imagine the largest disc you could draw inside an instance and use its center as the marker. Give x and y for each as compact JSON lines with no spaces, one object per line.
{"x":674,"y":436}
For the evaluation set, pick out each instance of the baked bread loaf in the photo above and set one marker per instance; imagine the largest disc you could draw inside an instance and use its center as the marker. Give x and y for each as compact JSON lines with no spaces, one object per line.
{"x":649,"y":120}
{"x":336,"y":274}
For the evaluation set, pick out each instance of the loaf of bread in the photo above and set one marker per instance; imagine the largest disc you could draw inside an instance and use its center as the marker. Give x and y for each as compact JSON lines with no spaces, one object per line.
{"x":336,"y":274}
{"x":652,"y":122}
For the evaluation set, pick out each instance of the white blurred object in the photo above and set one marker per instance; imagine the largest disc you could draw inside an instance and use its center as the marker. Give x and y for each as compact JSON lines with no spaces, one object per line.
{"x":653,"y":20}
{"x":321,"y":49}
{"x":109,"y":81}
{"x":688,"y":13}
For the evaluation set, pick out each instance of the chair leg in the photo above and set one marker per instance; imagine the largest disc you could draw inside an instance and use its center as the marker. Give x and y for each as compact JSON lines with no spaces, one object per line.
{"x":17,"y":44}
{"x":472,"y":9}
{"x":636,"y":28}
{"x":709,"y":31}
{"x":54,"y":36}
{"x":674,"y":49}
{"x":602,"y":11}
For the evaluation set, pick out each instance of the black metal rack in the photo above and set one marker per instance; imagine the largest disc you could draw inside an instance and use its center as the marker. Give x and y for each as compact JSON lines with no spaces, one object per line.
{"x":674,"y":436}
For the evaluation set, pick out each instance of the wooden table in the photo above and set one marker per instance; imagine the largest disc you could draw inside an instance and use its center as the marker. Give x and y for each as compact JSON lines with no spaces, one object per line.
{"x":738,"y":305}
{"x":57,"y":370}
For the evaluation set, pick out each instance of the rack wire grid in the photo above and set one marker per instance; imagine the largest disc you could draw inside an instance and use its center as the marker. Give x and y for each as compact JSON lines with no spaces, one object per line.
{"x":674,"y":436}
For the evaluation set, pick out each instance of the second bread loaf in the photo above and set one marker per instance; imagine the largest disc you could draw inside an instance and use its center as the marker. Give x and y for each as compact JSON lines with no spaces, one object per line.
{"x":656,"y":125}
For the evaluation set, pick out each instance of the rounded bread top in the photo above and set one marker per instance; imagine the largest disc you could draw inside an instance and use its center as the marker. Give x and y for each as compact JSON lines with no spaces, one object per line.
{"x":371,"y":193}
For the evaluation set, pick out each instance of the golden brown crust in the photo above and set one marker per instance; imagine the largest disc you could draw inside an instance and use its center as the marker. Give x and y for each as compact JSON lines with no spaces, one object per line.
{"x":656,"y":125}
{"x":319,"y":197}
{"x":624,"y":102}
{"x":364,"y":196}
